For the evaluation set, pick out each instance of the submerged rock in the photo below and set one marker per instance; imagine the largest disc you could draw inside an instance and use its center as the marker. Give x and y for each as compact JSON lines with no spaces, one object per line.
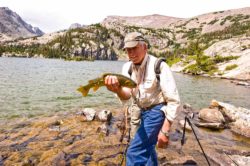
{"x":185,"y":160}
{"x":241,"y":83}
{"x":241,"y":160}
{"x":54,"y":128}
{"x":220,"y":159}
{"x":104,"y":128}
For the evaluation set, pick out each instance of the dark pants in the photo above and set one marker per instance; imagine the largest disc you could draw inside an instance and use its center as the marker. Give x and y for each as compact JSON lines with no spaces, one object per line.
{"x":142,"y":148}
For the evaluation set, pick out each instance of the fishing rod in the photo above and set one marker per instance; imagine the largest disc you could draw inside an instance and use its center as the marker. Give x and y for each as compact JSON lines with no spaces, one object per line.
{"x":125,"y":151}
{"x":126,"y":129}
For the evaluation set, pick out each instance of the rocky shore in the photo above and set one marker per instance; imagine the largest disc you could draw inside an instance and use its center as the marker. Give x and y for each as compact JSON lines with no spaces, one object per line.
{"x":237,"y":70}
{"x":90,"y":137}
{"x":237,"y":81}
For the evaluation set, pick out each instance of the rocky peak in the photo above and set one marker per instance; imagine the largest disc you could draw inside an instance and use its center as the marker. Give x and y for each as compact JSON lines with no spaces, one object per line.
{"x":75,"y":25}
{"x":11,"y":24}
{"x":204,"y":23}
{"x":150,"y":21}
{"x":38,"y":31}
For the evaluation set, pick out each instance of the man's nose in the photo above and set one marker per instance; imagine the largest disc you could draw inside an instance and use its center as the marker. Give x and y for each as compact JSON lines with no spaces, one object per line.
{"x":130,"y":51}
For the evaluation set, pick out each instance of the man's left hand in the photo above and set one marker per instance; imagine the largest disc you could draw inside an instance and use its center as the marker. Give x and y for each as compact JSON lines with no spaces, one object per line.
{"x":162,"y":140}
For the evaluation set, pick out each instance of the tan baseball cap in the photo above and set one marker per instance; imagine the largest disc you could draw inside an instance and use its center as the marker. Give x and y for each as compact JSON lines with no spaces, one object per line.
{"x":132,"y":39}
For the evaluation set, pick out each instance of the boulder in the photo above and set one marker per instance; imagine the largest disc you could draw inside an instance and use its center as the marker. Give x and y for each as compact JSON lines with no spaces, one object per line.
{"x":104,"y":116}
{"x":232,"y":112}
{"x":210,"y":125}
{"x":89,"y":113}
{"x":238,"y":116}
{"x":104,"y":128}
{"x":241,"y":127}
{"x":181,"y":122}
{"x":211,"y":115}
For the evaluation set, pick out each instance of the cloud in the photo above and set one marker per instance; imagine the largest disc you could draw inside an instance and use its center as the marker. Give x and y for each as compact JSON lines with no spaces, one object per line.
{"x":47,"y":24}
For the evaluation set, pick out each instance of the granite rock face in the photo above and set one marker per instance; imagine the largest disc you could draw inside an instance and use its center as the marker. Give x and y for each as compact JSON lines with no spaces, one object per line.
{"x":11,"y":24}
{"x":75,"y":25}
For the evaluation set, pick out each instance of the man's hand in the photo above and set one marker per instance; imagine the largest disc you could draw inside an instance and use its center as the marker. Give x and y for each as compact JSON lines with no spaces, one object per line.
{"x":162,"y":140}
{"x":112,"y":83}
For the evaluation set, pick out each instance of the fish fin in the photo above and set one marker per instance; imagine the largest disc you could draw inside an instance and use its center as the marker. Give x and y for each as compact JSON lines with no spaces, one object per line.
{"x":95,"y":88}
{"x":84,"y":90}
{"x":127,"y":82}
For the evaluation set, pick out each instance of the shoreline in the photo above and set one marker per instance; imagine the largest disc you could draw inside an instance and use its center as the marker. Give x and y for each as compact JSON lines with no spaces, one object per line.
{"x":236,"y":81}
{"x":68,"y":138}
{"x":243,"y":82}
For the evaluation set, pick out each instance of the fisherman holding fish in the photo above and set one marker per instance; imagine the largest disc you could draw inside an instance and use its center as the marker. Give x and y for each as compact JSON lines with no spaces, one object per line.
{"x":157,"y":100}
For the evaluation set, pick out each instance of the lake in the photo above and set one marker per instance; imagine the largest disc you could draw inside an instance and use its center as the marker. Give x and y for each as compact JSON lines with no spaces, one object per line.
{"x":32,"y":87}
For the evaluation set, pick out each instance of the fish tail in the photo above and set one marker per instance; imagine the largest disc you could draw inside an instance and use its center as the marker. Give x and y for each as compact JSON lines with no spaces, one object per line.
{"x":84,"y":90}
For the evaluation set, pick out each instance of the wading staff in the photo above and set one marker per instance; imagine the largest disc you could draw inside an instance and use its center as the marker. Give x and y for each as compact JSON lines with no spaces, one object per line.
{"x":183,"y":137}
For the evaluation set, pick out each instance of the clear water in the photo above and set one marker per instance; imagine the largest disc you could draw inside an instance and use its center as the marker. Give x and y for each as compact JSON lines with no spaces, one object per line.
{"x":36,"y":87}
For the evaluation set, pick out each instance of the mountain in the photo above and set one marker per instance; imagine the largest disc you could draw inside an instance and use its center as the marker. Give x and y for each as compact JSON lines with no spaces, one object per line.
{"x":208,"y":22}
{"x":150,"y":21}
{"x":212,"y":44}
{"x":75,"y":25}
{"x":13,"y":26}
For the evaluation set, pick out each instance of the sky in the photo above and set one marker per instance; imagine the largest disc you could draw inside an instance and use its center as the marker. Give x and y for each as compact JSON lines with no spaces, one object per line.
{"x":54,"y":15}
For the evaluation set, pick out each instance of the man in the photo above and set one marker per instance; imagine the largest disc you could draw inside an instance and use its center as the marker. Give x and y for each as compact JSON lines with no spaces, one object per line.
{"x":157,"y":100}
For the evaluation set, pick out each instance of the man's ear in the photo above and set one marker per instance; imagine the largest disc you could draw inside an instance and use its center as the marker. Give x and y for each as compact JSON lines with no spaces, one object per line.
{"x":145,"y":47}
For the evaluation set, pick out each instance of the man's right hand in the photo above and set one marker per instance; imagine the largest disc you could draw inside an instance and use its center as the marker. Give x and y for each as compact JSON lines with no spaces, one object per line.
{"x":112,"y":83}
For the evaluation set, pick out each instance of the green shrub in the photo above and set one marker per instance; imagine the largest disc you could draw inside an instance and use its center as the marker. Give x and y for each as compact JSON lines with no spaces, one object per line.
{"x":211,"y":72}
{"x":213,"y":22}
{"x":171,"y":61}
{"x":205,"y":63}
{"x":193,"y":69}
{"x":230,"y":67}
{"x":223,"y":22}
{"x":219,"y":59}
{"x":233,"y":30}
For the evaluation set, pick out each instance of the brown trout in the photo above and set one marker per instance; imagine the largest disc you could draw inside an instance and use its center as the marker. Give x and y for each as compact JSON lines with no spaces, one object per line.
{"x":98,"y":82}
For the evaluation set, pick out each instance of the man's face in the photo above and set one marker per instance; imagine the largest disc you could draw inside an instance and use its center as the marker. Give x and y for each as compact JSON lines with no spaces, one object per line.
{"x":136,"y":54}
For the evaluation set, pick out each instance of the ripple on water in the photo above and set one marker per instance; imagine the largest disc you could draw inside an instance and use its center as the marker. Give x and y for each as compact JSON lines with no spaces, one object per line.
{"x":45,"y":85}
